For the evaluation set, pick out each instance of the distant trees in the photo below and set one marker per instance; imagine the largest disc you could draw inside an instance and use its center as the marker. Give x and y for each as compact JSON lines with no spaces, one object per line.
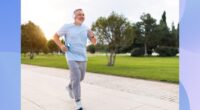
{"x":32,"y":39}
{"x":153,"y":37}
{"x":168,"y":39}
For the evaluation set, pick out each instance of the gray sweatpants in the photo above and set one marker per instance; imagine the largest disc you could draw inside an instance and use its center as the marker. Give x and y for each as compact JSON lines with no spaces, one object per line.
{"x":77,"y":74}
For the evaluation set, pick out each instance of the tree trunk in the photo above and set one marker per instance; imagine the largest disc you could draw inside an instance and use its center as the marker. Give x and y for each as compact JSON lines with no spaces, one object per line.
{"x":145,"y":49}
{"x":111,"y":59}
{"x":114,"y":59}
{"x":31,"y":55}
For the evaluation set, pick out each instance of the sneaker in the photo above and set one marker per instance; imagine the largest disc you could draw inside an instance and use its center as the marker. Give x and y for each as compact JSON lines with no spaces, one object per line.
{"x":78,"y":105}
{"x":70,"y":92}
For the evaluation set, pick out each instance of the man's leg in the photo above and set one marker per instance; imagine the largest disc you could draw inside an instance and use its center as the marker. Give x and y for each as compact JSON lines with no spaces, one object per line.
{"x":75,"y":76}
{"x":83,"y":66}
{"x":69,"y":89}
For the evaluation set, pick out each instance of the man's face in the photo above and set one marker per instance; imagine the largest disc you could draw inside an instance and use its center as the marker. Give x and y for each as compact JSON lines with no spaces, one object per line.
{"x":79,"y":16}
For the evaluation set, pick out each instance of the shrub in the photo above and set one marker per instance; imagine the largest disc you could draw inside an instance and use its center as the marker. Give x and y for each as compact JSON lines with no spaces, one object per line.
{"x":166,"y":51}
{"x":91,"y":49}
{"x":137,"y":52}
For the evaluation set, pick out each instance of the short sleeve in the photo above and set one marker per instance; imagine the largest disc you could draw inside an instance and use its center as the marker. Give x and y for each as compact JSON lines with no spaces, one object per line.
{"x":62,"y":31}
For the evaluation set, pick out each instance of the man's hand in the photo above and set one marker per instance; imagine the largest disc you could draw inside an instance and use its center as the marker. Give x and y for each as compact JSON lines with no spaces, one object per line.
{"x":91,"y":34}
{"x":92,"y":37}
{"x":63,"y":48}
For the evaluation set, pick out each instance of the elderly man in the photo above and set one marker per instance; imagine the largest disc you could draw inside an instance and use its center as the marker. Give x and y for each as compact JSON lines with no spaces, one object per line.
{"x":75,"y":35}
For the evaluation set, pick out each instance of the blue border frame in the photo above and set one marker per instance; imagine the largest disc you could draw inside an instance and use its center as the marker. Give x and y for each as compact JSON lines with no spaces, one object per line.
{"x":10,"y":55}
{"x":189,"y":54}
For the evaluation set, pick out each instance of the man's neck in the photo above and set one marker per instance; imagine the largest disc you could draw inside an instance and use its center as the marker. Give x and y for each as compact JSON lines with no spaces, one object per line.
{"x":76,"y":23}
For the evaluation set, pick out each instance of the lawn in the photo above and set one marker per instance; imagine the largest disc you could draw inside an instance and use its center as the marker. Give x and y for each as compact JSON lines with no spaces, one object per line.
{"x":152,"y":68}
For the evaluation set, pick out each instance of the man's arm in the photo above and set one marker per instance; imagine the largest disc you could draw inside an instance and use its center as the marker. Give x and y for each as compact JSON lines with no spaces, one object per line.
{"x":92,"y":37}
{"x":59,"y":43}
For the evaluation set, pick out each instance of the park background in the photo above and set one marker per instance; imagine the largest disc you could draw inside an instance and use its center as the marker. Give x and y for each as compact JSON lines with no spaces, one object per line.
{"x":135,"y":39}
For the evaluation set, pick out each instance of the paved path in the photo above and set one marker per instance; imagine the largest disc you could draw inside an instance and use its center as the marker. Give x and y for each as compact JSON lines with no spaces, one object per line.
{"x":44,"y":89}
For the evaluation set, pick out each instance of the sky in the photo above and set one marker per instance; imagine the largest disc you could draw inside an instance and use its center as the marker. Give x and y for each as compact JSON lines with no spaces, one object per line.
{"x":50,"y":15}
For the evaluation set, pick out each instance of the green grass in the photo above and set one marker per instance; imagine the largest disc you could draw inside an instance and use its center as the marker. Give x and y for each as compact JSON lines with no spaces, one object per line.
{"x":152,"y":68}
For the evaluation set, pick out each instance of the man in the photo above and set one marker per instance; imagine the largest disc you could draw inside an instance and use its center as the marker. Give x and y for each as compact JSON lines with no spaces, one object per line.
{"x":76,"y":35}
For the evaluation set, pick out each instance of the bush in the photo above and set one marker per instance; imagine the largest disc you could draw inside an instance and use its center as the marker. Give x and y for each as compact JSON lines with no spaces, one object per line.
{"x":137,"y":52}
{"x":91,"y":49}
{"x":149,"y":52}
{"x":166,"y":51}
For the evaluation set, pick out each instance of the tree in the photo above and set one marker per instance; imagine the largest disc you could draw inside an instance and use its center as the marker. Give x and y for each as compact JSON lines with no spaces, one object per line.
{"x":100,"y":47}
{"x":173,"y":36}
{"x":165,"y":38}
{"x":114,"y":31}
{"x":52,"y":46}
{"x":46,"y":49}
{"x":33,"y":39}
{"x":139,"y":38}
{"x":147,"y":29}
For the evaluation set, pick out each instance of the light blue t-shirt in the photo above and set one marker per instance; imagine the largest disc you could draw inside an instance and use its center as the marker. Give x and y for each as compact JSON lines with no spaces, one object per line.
{"x":76,"y":36}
